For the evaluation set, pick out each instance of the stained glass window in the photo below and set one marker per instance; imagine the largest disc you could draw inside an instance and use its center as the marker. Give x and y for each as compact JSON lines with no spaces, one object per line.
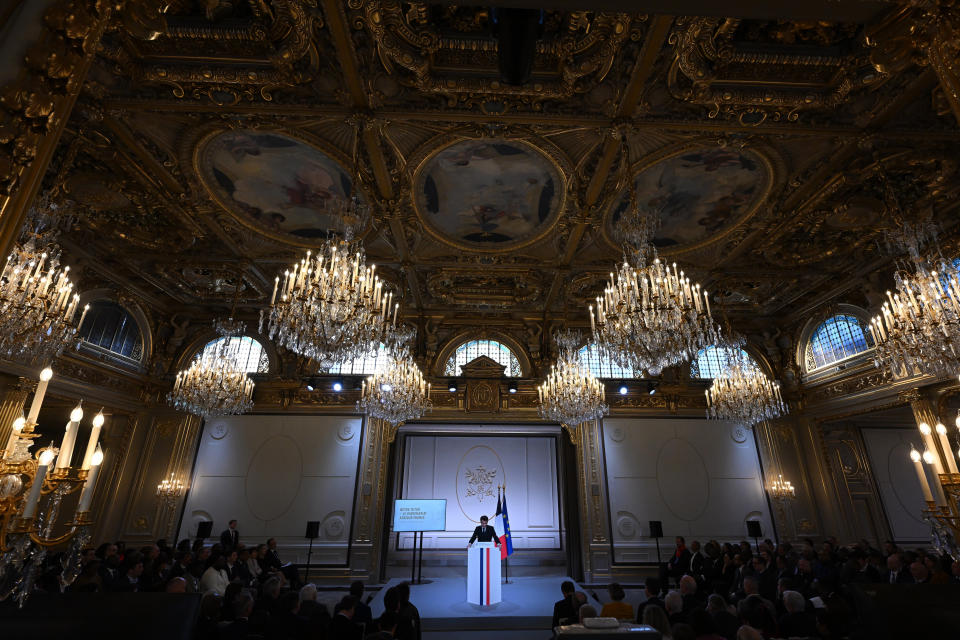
{"x":839,"y":337}
{"x":601,"y":366}
{"x":711,"y":361}
{"x":250,"y":354}
{"x":110,"y":327}
{"x":470,"y":351}
{"x":369,"y":364}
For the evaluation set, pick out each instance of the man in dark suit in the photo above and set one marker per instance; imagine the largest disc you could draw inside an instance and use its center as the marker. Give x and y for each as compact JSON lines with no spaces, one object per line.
{"x":652,"y":590}
{"x":342,"y":625}
{"x":896,"y":573}
{"x":680,"y":560}
{"x":566,"y":609}
{"x":230,"y":537}
{"x":484,"y":533}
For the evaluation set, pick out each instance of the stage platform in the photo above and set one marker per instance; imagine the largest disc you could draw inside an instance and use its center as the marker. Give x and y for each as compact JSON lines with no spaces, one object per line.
{"x":526,"y":609}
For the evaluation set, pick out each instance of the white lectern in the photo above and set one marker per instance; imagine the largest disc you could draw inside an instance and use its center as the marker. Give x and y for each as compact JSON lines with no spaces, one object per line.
{"x":483,"y":573}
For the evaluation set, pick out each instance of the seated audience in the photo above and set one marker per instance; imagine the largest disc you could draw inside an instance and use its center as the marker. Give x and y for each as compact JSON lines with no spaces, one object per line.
{"x":565,"y":609}
{"x":797,"y":622}
{"x":342,"y":626}
{"x":674,"y":607}
{"x":652,"y":592}
{"x":617,"y":608}
{"x":363,"y":615}
{"x":586,"y":611}
{"x":654,"y":616}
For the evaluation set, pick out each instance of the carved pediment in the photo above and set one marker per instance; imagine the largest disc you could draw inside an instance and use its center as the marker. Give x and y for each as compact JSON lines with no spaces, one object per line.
{"x":483,"y":367}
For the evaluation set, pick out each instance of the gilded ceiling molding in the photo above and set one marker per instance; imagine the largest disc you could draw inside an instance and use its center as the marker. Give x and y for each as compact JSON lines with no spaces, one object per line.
{"x":575,"y":55}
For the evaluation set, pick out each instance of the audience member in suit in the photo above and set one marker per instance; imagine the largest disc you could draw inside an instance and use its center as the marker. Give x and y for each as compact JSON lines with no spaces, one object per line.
{"x":757,"y":613}
{"x":232,"y":567}
{"x":896,"y":573}
{"x":241,"y":570}
{"x":696,"y":561}
{"x":690,"y":595}
{"x":656,"y":617}
{"x":387,"y":625}
{"x":919,"y":572}
{"x":315,"y":613}
{"x":89,"y":580}
{"x":652,"y":591}
{"x":679,"y":562}
{"x":674,"y":607}
{"x":408,"y":610}
{"x":565,"y":610}
{"x":230,"y":538}
{"x":271,"y":558}
{"x":287,"y":624}
{"x":342,"y":626}
{"x":797,"y":622}
{"x":362,"y":615}
{"x":725,"y":623}
{"x":181,"y":564}
{"x":209,"y":619}
{"x":239,"y":628}
{"x":128,"y":577}
{"x":766,"y":576}
{"x":392,"y":602}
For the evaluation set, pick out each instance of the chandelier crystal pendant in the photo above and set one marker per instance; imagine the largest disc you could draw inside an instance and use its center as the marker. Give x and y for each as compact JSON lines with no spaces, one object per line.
{"x":398,"y":394}
{"x":918,"y":328}
{"x":37,"y":303}
{"x":743,"y":393}
{"x":331,"y":306}
{"x":571,"y":394}
{"x":215,"y":384}
{"x":781,"y":489}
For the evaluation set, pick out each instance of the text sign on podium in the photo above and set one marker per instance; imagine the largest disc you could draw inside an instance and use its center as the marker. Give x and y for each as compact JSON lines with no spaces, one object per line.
{"x":483,"y":573}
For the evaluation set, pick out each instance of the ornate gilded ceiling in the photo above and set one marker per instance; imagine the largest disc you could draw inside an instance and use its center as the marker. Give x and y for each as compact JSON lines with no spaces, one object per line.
{"x":211,"y":134}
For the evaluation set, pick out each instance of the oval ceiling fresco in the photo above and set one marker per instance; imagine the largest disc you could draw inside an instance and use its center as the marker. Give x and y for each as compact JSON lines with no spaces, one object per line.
{"x":699,"y":194}
{"x":489,"y":195}
{"x":273,"y":183}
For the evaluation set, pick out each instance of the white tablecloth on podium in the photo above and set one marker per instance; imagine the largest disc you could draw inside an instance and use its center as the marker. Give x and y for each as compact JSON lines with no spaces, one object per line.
{"x":483,"y":573}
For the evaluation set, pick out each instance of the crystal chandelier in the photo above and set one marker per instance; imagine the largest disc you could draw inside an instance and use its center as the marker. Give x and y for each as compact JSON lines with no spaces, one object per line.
{"x":215,"y":384}
{"x":918,"y":328}
{"x":37,"y":303}
{"x":397,"y":394}
{"x":743,"y":393}
{"x":651,"y":317}
{"x":571,"y":394}
{"x":331,"y":306}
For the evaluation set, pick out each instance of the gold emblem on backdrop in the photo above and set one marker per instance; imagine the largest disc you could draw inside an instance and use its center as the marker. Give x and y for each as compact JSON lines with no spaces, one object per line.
{"x":477,"y":476}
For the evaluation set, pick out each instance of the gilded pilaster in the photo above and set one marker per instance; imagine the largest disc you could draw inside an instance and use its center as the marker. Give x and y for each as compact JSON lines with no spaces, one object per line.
{"x":594,"y":502}
{"x":370,"y":499}
{"x":13,"y":395}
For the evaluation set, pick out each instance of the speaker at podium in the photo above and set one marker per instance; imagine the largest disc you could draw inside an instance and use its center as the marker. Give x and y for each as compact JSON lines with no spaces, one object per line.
{"x":483,"y":574}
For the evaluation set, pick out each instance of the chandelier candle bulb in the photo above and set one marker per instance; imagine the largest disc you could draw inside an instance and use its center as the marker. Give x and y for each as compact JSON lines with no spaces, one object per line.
{"x":932,"y":460}
{"x":33,"y":498}
{"x":15,"y":430}
{"x":41,"y":391}
{"x":927,"y":433}
{"x":946,"y":448}
{"x":86,"y":496}
{"x":92,"y":442}
{"x":921,"y":475}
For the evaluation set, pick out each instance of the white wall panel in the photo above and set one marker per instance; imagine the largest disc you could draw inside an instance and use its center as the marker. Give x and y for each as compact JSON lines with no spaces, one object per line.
{"x":693,"y":475}
{"x":450,"y":467}
{"x":273,"y":474}
{"x":889,"y":452}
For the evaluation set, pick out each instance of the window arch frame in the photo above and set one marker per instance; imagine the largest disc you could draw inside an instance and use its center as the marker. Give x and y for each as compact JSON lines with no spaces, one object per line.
{"x":601,"y":363}
{"x":264,"y":353}
{"x":758,"y":361}
{"x":199,"y":342}
{"x":814,"y":324}
{"x":454,"y":343}
{"x":139,"y":318}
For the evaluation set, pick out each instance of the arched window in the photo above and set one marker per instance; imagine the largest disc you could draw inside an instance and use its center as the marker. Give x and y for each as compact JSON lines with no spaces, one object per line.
{"x":250,"y":353}
{"x":601,"y":366}
{"x":839,"y":337}
{"x":110,"y":328}
{"x":367,"y":365}
{"x":473,"y":349}
{"x":713,"y":360}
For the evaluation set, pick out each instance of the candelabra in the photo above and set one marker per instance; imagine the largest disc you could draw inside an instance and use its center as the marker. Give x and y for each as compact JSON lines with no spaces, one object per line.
{"x":398,"y":394}
{"x":331,"y":307}
{"x":743,"y":393}
{"x":169,"y":491}
{"x":781,"y":489}
{"x":37,"y":304}
{"x":32,"y":489}
{"x":215,"y":384}
{"x":571,"y":394}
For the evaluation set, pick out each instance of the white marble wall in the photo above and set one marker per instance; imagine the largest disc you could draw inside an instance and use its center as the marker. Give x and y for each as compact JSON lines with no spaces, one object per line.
{"x":889,"y":452}
{"x":273,"y":474}
{"x":700,"y":478}
{"x":443,"y":467}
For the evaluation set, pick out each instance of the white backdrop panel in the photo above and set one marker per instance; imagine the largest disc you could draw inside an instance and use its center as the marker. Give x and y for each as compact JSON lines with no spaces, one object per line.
{"x":273,"y":474}
{"x":699,"y":477}
{"x":889,"y":451}
{"x":466,"y":471}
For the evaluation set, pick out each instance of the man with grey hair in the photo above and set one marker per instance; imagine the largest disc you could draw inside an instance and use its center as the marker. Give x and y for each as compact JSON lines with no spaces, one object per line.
{"x":242,"y":608}
{"x":674,"y":607}
{"x":587,"y":611}
{"x":688,"y":591}
{"x":797,"y":621}
{"x":724,"y":620}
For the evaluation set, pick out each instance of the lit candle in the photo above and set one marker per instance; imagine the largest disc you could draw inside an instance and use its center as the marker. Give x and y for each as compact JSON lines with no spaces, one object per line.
{"x":921,"y":475}
{"x":931,"y":459}
{"x":33,"y":499}
{"x":14,"y":436}
{"x":947,"y":450}
{"x":69,"y":438}
{"x":92,"y":442}
{"x":86,"y":496}
{"x":45,"y":376}
{"x":927,"y":434}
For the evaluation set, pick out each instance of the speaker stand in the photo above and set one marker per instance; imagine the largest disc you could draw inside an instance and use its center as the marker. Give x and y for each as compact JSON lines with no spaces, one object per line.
{"x":306,"y":575}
